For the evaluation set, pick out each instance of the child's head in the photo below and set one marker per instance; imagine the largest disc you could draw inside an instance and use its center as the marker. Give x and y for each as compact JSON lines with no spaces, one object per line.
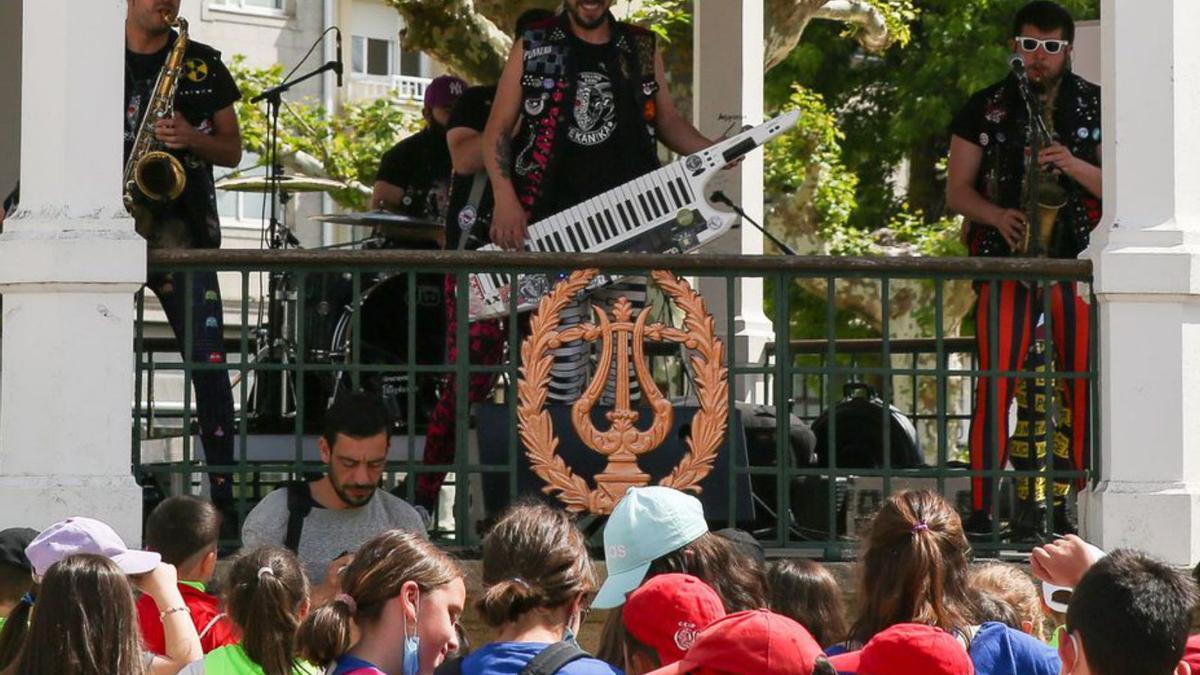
{"x":808,"y":593}
{"x":1011,"y":585}
{"x":535,"y":560}
{"x":184,"y":530}
{"x":16,"y":574}
{"x":266,"y":597}
{"x":398,"y":585}
{"x":85,"y":620}
{"x":662,"y":619}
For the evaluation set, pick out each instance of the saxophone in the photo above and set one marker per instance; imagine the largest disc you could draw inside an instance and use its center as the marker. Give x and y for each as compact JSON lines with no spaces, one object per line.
{"x":1042,"y":194}
{"x":153,"y":175}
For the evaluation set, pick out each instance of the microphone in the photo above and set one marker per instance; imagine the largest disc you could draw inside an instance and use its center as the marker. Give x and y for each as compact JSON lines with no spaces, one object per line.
{"x":720,"y":198}
{"x":1017,"y":65}
{"x":338,"y":68}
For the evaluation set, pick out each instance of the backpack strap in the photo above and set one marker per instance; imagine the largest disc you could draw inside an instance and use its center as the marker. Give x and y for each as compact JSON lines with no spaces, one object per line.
{"x":299,"y":502}
{"x":552,"y":659}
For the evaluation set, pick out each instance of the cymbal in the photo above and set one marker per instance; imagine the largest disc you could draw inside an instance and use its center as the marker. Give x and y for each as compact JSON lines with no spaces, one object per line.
{"x":391,"y":225}
{"x":287,"y":183}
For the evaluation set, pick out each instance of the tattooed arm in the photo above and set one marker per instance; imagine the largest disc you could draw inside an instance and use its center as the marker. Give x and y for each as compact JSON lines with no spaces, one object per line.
{"x":508,"y":220}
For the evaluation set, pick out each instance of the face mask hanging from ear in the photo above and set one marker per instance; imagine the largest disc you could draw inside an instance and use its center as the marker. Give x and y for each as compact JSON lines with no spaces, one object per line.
{"x":412,"y":643}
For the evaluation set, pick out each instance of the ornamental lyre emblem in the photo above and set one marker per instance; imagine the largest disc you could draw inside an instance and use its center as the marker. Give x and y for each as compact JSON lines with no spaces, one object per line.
{"x":622,"y":339}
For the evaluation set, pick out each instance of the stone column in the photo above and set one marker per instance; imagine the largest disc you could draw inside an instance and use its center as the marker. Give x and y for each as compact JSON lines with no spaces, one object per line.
{"x":728,"y":94}
{"x":1146,"y":254}
{"x":70,"y":263}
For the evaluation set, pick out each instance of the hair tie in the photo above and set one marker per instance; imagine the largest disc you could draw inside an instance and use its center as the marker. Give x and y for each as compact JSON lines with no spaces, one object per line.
{"x":521,"y":581}
{"x":27,"y":599}
{"x":265,"y":571}
{"x":920,"y":527}
{"x":348,"y":601}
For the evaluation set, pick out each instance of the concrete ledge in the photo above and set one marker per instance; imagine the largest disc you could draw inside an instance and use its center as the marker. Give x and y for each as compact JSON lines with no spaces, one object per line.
{"x":40,"y":257}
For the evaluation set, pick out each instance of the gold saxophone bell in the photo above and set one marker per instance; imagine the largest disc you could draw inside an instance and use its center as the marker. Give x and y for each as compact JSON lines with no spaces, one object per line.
{"x":159,"y":176}
{"x":1051,"y":198}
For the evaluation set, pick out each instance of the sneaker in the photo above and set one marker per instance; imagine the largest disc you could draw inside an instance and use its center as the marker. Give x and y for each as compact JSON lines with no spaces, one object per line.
{"x":979,"y":526}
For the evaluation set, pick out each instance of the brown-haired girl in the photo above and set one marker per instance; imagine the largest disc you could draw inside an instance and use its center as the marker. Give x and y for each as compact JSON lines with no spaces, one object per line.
{"x":266,"y":597}
{"x":806,"y":592}
{"x":405,"y":596}
{"x":537,"y":576}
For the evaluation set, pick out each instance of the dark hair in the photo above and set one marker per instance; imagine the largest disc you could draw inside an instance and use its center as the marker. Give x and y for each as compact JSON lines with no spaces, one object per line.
{"x":181,"y":527}
{"x":357,"y":414}
{"x":533,"y":557}
{"x":14,"y":582}
{"x":716,"y":561}
{"x":16,"y":627}
{"x":530,"y":17}
{"x":913,"y":567}
{"x":265,"y":605}
{"x":85,"y":621}
{"x":1045,"y":16}
{"x":806,"y":592}
{"x":1133,"y":613}
{"x":377,"y":573}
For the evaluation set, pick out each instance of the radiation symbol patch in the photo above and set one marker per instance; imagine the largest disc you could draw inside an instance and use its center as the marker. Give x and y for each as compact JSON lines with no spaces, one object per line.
{"x":195,"y":70}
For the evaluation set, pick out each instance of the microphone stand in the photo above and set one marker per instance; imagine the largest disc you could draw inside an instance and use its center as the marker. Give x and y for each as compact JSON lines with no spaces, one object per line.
{"x":721,"y":198}
{"x":278,"y":236}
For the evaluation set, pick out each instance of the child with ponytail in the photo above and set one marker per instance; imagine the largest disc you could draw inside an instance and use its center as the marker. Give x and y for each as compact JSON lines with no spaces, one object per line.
{"x":266,"y":598}
{"x":537,"y":575}
{"x":405,"y":597}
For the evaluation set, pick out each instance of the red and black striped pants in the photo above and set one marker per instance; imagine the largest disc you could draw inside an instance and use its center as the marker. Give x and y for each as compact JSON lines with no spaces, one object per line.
{"x":1002,"y":337}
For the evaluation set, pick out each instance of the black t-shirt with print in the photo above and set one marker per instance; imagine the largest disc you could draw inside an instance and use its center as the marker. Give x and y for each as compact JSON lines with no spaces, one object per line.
{"x":596,"y":154}
{"x":995,"y":119}
{"x":420,"y":164}
{"x":471,"y":112}
{"x":205,"y":88}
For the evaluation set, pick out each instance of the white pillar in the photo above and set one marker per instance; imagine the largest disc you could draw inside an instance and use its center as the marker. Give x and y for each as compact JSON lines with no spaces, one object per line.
{"x":70,"y":263}
{"x":1147,"y":277}
{"x":728,"y":94}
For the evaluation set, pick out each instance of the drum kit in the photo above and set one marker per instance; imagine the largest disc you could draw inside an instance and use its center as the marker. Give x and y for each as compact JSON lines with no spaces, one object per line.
{"x":363,"y":344}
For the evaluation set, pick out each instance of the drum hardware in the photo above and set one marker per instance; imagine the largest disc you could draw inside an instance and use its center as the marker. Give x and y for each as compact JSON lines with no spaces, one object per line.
{"x":394,"y":227}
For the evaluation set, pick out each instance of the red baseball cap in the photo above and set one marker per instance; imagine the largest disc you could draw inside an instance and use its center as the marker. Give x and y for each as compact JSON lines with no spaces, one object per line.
{"x":755,"y":641}
{"x":668,"y":612}
{"x":908,"y":648}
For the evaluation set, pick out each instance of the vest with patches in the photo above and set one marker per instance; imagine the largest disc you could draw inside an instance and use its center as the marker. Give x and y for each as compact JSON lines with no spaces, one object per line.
{"x":548,"y":87}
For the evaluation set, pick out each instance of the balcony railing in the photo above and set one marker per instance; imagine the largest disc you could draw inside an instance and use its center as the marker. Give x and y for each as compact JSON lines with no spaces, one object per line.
{"x":400,"y":88}
{"x":762,"y":480}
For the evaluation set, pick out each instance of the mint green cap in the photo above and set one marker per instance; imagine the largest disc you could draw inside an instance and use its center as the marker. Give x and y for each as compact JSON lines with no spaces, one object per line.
{"x":646,"y":524}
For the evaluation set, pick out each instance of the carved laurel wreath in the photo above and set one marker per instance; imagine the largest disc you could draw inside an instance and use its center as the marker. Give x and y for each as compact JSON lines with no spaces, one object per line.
{"x":707,"y":359}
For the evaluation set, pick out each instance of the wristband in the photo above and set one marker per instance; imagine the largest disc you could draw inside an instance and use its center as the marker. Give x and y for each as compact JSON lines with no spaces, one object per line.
{"x":170,"y":610}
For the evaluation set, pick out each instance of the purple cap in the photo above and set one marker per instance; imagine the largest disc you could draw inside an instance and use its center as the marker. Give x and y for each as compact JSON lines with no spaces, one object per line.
{"x":443,"y":91}
{"x":86,"y":535}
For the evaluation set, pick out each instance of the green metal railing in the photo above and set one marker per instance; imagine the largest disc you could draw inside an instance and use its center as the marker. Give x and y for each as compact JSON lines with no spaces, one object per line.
{"x":803,"y":372}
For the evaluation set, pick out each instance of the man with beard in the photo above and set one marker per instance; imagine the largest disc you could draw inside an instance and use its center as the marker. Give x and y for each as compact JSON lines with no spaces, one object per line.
{"x":987,"y":184}
{"x":414,"y":175}
{"x":580,"y":108}
{"x":323,"y":520}
{"x":591,"y":98}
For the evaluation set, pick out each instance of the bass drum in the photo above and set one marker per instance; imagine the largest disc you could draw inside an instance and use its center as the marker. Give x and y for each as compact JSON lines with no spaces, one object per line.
{"x":383,"y":340}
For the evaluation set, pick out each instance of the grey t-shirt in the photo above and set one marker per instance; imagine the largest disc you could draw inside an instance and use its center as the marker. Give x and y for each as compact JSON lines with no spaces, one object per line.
{"x":328,"y":532}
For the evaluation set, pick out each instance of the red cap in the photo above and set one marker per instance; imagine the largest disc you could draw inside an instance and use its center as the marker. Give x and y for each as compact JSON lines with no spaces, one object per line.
{"x":1191,"y":653}
{"x":908,"y":648}
{"x":755,"y":641}
{"x":667,"y":612}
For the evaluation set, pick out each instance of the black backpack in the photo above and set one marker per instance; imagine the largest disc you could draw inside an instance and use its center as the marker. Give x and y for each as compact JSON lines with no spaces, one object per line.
{"x":548,"y":661}
{"x":860,"y":424}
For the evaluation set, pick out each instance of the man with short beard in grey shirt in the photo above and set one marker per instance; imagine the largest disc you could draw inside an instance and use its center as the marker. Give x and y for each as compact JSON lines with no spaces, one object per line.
{"x":347,"y":506}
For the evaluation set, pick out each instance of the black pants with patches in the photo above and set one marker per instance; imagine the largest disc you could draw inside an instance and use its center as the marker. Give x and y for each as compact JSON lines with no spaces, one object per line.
{"x":214,"y":396}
